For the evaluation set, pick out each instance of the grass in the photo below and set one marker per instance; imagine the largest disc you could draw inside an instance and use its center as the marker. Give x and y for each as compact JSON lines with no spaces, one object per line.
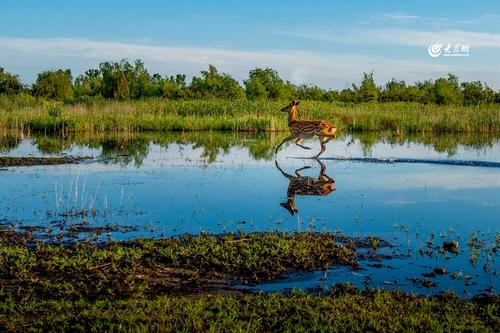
{"x":375,"y":311}
{"x":187,"y":284}
{"x":240,"y":115}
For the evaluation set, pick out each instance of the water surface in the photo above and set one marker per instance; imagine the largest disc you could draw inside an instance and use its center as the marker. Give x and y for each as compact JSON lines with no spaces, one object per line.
{"x":155,"y":185}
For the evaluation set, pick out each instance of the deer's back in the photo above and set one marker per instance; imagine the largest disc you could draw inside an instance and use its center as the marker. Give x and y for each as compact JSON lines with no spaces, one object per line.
{"x":310,"y":127}
{"x":310,"y":186}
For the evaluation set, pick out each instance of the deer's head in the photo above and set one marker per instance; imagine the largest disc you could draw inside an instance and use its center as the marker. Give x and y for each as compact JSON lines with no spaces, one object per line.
{"x":328,"y":187}
{"x":290,"y":106}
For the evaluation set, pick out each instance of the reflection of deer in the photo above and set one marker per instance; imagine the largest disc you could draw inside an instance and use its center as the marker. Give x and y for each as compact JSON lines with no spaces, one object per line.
{"x":300,"y":129}
{"x":303,"y":185}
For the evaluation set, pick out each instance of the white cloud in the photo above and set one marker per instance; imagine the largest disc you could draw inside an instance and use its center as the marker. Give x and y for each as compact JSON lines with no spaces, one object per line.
{"x":400,"y":17}
{"x":438,"y":22}
{"x":27,"y":56}
{"x":328,"y":70}
{"x":404,"y":37}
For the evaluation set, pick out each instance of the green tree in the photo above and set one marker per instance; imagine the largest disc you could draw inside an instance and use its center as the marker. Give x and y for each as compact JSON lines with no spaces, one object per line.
{"x":114,"y":82}
{"x":424,"y":92}
{"x":395,"y":91}
{"x":475,"y":93}
{"x":175,"y":87}
{"x":311,"y":92}
{"x":331,"y":96}
{"x":88,"y":84}
{"x":347,"y":96}
{"x":367,"y":91}
{"x":54,"y":84}
{"x":138,"y":79}
{"x":9,"y":84}
{"x":447,"y":91}
{"x":215,"y":85}
{"x":267,"y":84}
{"x":157,"y":85}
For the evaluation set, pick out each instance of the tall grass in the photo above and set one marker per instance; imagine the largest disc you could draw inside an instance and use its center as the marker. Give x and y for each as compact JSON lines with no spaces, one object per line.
{"x":239,"y":115}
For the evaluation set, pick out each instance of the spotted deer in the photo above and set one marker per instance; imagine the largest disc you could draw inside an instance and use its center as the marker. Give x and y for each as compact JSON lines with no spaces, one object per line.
{"x":303,"y":185}
{"x":300,"y":129}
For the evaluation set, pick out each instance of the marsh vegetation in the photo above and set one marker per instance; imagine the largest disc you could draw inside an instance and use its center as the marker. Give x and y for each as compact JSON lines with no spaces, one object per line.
{"x":126,"y":97}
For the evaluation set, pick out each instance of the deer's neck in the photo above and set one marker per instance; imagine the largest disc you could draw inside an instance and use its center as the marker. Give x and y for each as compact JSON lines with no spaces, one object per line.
{"x":292,"y":115}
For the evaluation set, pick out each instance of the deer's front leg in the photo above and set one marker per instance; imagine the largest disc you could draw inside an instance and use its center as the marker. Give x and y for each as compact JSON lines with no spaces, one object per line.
{"x":298,"y":142}
{"x":288,"y":138}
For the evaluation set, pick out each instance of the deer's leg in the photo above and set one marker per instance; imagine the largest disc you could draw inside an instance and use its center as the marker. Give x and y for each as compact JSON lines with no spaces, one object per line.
{"x":323,"y":146}
{"x":298,"y":142}
{"x":288,"y":138}
{"x":283,"y":172}
{"x":322,"y":173}
{"x":297,"y":172}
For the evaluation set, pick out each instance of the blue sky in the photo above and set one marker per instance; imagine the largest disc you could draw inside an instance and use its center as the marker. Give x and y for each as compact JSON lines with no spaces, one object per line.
{"x":329,"y":43}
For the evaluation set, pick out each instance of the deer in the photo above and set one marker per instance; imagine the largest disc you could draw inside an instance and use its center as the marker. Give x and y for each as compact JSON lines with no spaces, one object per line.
{"x":302,"y":185}
{"x":300,"y":129}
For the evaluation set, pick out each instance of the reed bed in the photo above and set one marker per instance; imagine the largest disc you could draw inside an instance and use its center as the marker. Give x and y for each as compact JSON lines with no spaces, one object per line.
{"x":239,"y":115}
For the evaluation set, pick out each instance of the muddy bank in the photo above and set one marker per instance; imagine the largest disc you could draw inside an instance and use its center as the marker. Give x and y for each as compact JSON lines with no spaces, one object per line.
{"x":31,"y":161}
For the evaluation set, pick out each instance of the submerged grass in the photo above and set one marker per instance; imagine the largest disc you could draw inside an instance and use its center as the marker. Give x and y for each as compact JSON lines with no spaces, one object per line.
{"x":187,"y":284}
{"x":241,"y":115}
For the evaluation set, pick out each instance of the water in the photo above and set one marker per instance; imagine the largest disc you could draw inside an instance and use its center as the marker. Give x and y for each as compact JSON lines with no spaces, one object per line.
{"x":155,"y":185}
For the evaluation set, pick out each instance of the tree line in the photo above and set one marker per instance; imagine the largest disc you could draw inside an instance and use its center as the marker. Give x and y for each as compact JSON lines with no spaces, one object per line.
{"x":124,"y":80}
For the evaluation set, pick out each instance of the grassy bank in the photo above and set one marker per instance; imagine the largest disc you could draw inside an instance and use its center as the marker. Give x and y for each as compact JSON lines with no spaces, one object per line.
{"x":187,"y":284}
{"x":240,"y":115}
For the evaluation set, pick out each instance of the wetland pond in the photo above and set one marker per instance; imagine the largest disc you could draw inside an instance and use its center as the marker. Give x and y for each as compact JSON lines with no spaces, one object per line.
{"x":413,"y":193}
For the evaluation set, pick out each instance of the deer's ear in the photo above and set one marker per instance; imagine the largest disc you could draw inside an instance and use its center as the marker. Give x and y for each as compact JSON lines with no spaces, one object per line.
{"x":297,"y":103}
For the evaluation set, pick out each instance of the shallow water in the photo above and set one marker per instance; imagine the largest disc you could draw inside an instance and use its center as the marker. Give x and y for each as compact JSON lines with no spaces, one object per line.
{"x":168,"y":184}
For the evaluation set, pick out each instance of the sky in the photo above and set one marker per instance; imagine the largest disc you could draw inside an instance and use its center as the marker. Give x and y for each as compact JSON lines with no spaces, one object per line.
{"x":327,"y":43}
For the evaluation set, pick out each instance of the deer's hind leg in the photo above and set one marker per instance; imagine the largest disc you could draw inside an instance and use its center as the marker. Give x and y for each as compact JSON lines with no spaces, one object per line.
{"x":298,"y":142}
{"x":322,"y":140}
